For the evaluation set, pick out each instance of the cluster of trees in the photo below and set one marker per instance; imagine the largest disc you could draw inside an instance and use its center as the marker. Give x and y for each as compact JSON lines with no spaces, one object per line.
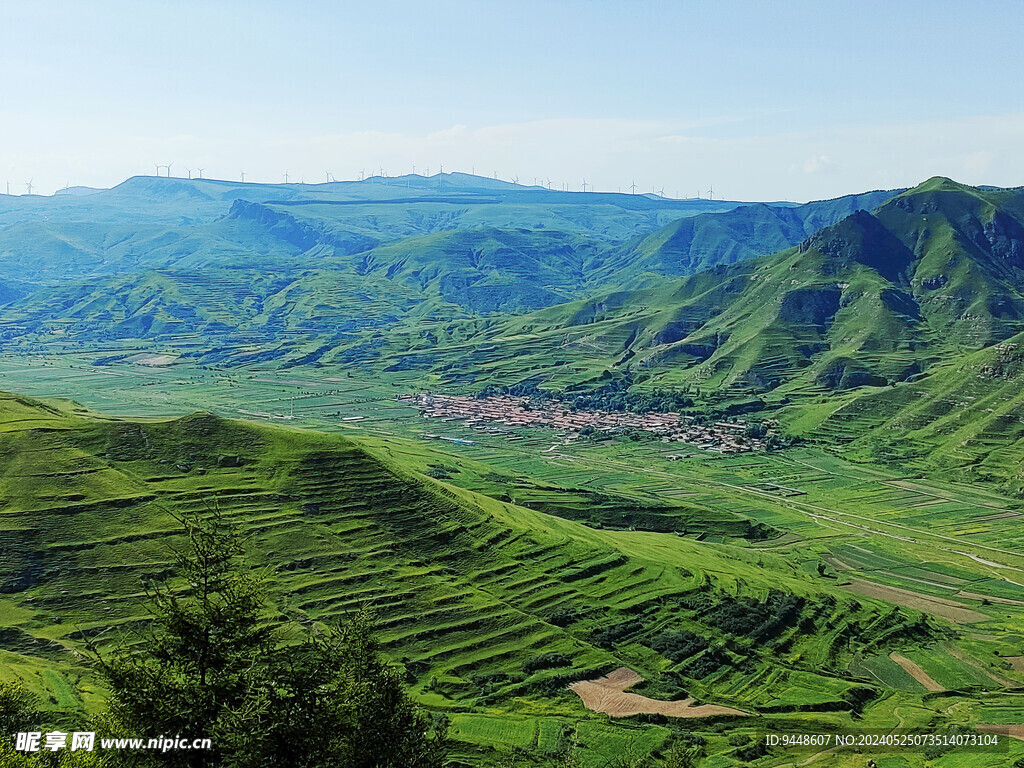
{"x":546,"y":661}
{"x":678,"y":645}
{"x":612,"y":634}
{"x":706,"y":664}
{"x":615,"y":397}
{"x":746,"y":617}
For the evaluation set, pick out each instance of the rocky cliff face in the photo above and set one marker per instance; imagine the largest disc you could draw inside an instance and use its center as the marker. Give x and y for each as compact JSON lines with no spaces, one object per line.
{"x":1003,"y":236}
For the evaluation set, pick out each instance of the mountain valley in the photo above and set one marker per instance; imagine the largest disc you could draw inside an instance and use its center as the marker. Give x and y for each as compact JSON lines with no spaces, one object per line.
{"x":291,"y":353}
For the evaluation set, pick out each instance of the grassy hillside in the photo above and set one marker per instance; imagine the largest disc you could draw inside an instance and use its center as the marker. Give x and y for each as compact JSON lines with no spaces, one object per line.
{"x":700,"y":242}
{"x":489,"y":270}
{"x":314,"y":271}
{"x":963,"y":418}
{"x":872,"y":300}
{"x":490,"y":607}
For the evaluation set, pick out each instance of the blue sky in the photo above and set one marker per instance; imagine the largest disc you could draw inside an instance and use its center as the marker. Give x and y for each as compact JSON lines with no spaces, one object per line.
{"x":762,"y":100}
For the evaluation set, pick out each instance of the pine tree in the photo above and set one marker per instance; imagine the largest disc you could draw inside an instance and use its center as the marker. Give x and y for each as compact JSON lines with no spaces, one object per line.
{"x":211,"y":666}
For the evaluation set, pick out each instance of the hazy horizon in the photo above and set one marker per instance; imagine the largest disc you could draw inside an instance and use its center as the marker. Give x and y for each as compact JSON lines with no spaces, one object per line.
{"x":793,"y":101}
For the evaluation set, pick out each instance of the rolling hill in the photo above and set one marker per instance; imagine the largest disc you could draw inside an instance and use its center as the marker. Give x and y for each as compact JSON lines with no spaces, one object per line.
{"x":490,"y":608}
{"x":700,"y":242}
{"x":315,"y":274}
{"x":875,"y":299}
{"x":964,"y":418}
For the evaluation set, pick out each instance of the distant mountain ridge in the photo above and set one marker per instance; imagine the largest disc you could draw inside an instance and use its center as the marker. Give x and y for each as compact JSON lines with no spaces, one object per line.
{"x":703,"y":241}
{"x":874,"y":299}
{"x":881,"y":316}
{"x":329,"y":259}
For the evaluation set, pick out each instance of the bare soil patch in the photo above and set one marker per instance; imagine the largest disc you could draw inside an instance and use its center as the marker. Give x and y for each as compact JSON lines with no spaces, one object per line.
{"x":939,"y":606}
{"x":608,"y":694}
{"x":916,"y":672}
{"x":149,"y":358}
{"x":1017,"y":662}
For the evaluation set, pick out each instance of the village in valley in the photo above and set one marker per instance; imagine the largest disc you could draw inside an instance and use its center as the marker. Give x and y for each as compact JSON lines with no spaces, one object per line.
{"x":512,"y":411}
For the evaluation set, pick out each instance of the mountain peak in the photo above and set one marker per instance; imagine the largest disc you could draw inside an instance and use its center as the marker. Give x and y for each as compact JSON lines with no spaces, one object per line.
{"x":861,"y":237}
{"x":939,"y":184}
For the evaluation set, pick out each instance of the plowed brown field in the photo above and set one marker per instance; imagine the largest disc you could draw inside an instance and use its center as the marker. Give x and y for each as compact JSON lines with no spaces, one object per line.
{"x":608,"y":694}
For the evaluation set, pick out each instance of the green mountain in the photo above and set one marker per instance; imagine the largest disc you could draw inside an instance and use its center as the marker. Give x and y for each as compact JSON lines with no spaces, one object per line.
{"x":301,"y":274}
{"x":170,"y":223}
{"x":964,"y":418}
{"x":488,"y":270}
{"x":697,"y":243}
{"x":875,"y":299}
{"x":489,"y":607}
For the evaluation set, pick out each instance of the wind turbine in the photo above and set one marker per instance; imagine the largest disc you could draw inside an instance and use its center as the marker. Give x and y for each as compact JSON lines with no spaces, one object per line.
{"x":286,"y":177}
{"x":28,"y":186}
{"x":661,"y":192}
{"x":362,"y":174}
{"x":584,"y":185}
{"x":633,"y":186}
{"x":516,"y":181}
{"x":8,"y":186}
{"x":169,"y":170}
{"x":711,"y":192}
{"x":329,"y":176}
{"x":243,"y":177}
{"x":442,"y":167}
{"x":414,"y":169}
{"x":549,"y":183}
{"x":200,"y":172}
{"x":189,"y":172}
{"x":158,"y":167}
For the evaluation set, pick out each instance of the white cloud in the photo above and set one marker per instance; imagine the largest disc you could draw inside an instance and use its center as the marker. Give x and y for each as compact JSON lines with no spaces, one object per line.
{"x":817,"y":164}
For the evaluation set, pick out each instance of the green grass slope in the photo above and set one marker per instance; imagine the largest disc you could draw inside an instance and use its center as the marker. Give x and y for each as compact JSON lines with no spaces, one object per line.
{"x":872,"y":300}
{"x":965,"y":419}
{"x":700,"y":242}
{"x":489,"y":270}
{"x":489,"y":607}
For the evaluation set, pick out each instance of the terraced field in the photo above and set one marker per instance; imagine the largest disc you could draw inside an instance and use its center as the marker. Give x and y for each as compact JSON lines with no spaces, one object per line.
{"x":489,"y":606}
